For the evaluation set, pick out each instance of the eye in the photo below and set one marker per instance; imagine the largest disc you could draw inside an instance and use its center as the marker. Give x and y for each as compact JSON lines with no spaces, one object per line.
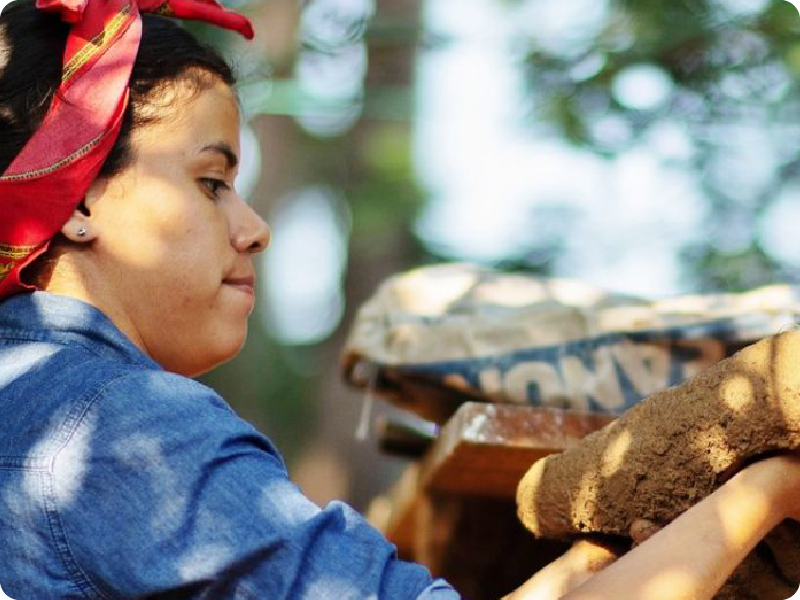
{"x":214,"y":186}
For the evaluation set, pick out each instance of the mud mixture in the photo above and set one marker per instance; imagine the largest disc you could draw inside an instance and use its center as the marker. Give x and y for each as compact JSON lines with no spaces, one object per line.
{"x":675,"y":448}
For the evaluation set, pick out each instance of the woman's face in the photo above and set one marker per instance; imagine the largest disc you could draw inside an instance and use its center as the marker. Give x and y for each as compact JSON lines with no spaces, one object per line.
{"x":174,"y":242}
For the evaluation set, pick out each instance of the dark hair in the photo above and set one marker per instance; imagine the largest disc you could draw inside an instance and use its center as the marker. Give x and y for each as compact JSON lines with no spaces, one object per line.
{"x":32,"y":44}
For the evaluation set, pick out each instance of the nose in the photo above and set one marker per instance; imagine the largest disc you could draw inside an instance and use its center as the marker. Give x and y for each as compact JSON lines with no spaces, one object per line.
{"x":250,"y":233}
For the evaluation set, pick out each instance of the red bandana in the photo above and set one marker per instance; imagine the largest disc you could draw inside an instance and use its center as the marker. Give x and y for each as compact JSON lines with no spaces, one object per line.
{"x":47,"y":180}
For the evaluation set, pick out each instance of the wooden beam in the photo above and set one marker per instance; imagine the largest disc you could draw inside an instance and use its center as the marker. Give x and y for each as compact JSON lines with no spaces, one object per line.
{"x":485,"y":449}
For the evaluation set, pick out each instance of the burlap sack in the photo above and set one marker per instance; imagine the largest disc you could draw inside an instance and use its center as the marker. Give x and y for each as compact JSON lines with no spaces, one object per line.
{"x":433,"y":337}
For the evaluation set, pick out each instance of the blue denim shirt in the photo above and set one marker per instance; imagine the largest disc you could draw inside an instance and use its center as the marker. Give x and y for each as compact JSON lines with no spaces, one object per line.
{"x":121,"y":480}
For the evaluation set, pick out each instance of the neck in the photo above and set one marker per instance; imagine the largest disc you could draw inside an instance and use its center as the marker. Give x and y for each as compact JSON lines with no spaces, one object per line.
{"x":70,"y":274}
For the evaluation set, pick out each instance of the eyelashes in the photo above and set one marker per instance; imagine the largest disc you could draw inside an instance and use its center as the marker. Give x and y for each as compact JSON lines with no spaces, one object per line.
{"x":215,"y":187}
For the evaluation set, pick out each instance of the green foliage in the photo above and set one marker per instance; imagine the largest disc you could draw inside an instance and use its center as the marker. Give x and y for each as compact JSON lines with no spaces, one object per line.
{"x":736,"y":271}
{"x":383,"y":194}
{"x":719,"y":67}
{"x":725,"y":72}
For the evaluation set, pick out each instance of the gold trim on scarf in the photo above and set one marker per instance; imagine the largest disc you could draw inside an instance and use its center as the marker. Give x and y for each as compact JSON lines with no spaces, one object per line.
{"x":5,"y":269}
{"x":85,"y":54}
{"x":85,"y":149}
{"x":95,"y":45}
{"x":165,"y":10}
{"x":14,"y":253}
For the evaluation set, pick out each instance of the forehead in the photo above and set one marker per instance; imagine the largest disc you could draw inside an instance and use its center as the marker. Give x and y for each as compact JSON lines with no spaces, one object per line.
{"x":188,"y":118}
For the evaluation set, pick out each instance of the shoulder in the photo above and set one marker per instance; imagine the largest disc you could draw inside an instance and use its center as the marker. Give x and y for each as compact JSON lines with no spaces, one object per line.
{"x":133,"y":388}
{"x":159,"y":471}
{"x":186,"y":417}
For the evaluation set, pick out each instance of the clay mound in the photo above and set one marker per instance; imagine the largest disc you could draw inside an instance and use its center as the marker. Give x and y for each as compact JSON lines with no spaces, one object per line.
{"x":675,"y":448}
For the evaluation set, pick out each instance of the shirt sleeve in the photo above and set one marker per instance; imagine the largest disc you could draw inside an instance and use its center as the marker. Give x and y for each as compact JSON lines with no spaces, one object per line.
{"x":162,"y":491}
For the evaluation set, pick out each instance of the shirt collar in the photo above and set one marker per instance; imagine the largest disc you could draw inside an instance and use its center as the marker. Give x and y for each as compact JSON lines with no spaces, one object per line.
{"x":62,"y":319}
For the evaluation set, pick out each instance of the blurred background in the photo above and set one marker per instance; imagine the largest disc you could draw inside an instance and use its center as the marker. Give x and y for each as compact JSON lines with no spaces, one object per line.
{"x":645,"y":146}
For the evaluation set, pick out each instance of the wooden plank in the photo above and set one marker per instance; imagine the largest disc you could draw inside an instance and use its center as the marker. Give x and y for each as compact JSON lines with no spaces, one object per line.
{"x":482,"y":452}
{"x":478,"y":544}
{"x":484,"y":449}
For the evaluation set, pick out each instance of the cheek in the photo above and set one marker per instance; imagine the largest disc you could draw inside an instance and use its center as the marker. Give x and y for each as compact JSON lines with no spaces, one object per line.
{"x":193,"y":241}
{"x":197,"y":264}
{"x":172,"y":243}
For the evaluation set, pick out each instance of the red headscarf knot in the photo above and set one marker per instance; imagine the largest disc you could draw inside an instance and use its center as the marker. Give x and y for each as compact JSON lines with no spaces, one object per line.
{"x":71,"y":10}
{"x":208,"y":11}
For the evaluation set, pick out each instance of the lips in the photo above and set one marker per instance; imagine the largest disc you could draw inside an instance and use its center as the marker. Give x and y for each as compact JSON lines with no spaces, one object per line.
{"x":245,"y":283}
{"x":245,"y":280}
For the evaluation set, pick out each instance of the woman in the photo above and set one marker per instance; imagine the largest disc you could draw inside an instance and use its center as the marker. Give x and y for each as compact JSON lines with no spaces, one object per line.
{"x":119,"y":476}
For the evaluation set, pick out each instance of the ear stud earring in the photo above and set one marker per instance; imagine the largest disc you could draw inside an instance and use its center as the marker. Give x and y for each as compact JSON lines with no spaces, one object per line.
{"x":81,"y":232}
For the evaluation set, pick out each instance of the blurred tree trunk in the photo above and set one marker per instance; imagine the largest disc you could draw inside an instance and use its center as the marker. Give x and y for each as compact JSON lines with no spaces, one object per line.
{"x":379,"y":246}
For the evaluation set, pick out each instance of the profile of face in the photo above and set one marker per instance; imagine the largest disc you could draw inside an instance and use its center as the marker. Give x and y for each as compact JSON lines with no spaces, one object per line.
{"x":172,"y":243}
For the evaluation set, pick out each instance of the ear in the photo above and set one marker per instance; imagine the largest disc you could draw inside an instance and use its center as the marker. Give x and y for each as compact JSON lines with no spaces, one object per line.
{"x":79,"y":226}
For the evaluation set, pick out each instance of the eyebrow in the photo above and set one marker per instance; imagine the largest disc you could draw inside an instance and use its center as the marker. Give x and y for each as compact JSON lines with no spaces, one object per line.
{"x":226,"y":151}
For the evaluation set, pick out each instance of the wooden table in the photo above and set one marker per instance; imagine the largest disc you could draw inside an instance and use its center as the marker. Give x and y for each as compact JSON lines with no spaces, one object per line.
{"x":455,"y":511}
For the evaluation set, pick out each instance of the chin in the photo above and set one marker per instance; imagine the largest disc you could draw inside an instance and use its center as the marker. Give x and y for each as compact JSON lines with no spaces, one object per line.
{"x":218,"y":353}
{"x":192,"y":351}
